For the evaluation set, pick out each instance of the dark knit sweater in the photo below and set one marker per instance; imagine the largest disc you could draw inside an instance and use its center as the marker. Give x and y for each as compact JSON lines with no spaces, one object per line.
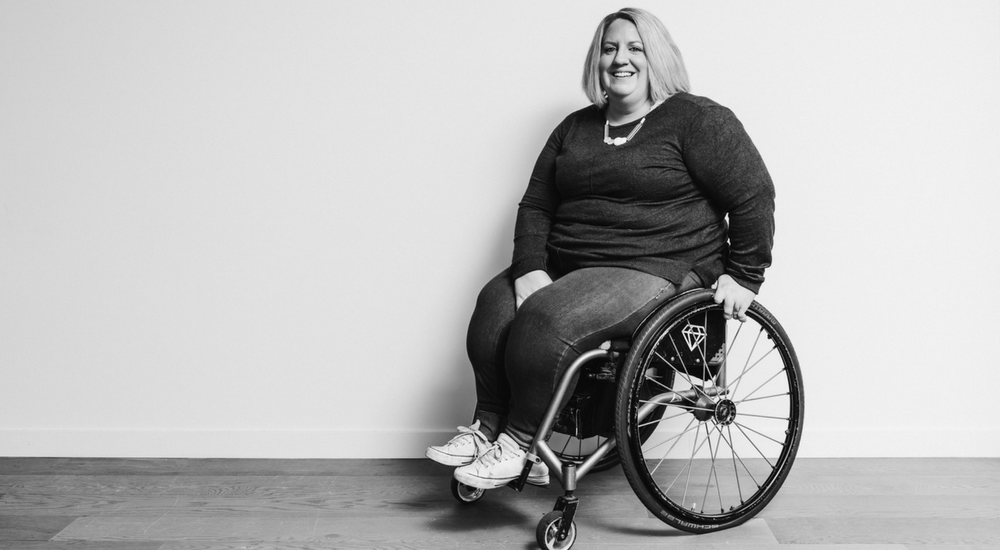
{"x":657,"y":204}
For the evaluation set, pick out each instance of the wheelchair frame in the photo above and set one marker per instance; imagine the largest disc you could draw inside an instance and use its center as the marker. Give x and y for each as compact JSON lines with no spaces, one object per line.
{"x":700,"y":389}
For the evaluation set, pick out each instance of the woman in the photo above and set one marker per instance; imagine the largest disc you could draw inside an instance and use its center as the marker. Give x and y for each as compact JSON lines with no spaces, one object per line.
{"x":626,"y":207}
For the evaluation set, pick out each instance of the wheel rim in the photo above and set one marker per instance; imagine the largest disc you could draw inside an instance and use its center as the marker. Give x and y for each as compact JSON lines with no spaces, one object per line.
{"x":465,"y":493}
{"x":469,"y":494}
{"x":725,"y":438}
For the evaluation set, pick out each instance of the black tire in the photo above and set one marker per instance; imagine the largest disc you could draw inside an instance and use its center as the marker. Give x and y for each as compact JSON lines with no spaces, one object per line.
{"x":545,"y":533}
{"x":719,"y":452}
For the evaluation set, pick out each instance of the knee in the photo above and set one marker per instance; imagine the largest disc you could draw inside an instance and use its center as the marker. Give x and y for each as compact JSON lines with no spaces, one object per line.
{"x":536,"y":341}
{"x":535,"y":320}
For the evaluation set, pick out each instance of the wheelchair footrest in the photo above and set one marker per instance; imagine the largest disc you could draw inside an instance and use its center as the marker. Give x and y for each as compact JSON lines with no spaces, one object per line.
{"x":530,"y":460}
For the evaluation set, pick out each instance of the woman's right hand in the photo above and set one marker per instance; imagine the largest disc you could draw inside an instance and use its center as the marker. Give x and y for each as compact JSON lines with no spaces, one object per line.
{"x":528,"y":284}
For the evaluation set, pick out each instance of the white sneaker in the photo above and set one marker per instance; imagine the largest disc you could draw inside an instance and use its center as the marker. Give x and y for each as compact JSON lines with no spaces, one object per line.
{"x":499,"y":465}
{"x":462,"y":449}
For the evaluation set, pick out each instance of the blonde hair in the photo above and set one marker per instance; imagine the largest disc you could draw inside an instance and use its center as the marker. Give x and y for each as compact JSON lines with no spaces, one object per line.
{"x":667,"y":74}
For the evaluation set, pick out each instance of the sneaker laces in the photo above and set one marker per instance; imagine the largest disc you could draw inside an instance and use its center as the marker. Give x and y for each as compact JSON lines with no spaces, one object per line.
{"x":498,"y":452}
{"x":478,"y":438}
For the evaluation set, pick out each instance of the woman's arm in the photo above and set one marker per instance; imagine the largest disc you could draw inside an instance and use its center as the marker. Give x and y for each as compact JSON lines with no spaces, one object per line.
{"x":534,"y":217}
{"x":724,"y":161}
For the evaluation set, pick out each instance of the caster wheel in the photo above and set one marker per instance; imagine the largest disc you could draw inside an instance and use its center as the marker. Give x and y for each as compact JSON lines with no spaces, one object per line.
{"x":465,"y":494}
{"x":548,"y":528}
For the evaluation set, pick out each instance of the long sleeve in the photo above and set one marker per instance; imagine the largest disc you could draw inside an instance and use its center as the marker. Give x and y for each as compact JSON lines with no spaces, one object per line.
{"x":723,"y":160}
{"x":537,"y":208}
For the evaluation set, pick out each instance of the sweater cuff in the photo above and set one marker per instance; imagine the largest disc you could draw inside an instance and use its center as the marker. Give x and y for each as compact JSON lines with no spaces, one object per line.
{"x":752,"y":286}
{"x":526,"y":265}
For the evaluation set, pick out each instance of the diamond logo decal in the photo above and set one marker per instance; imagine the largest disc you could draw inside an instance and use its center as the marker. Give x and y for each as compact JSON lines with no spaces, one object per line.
{"x":694,"y":336}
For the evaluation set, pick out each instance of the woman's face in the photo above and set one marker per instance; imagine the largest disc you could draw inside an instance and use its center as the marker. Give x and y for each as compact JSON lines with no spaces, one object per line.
{"x":623,"y":68}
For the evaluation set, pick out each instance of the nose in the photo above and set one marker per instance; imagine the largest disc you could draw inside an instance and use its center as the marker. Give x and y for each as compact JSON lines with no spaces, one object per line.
{"x":621,"y":56}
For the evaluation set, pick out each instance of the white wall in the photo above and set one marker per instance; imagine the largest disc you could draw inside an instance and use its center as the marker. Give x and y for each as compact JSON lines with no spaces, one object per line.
{"x":258,"y":229}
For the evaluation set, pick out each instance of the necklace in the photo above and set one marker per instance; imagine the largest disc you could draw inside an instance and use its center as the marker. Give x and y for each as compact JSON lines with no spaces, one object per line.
{"x":623,"y":140}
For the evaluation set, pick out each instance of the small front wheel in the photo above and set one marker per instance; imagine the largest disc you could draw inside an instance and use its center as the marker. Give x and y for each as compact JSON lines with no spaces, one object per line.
{"x":548,"y":530}
{"x":464,"y":493}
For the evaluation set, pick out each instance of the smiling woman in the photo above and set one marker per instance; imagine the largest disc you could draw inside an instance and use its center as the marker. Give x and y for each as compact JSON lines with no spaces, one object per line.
{"x":609,"y":229}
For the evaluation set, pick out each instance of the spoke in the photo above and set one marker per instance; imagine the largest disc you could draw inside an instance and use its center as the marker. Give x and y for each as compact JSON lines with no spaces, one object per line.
{"x":664,"y":457}
{"x":651,"y":422}
{"x":689,"y":462}
{"x":780,"y":372}
{"x":702,"y":349}
{"x":669,"y":364}
{"x":758,"y":433}
{"x":740,"y":428}
{"x":712,"y":452}
{"x":745,"y":371}
{"x":563,"y":451}
{"x":785,"y":418}
{"x":744,"y":400}
{"x":735,"y":454}
{"x":694,"y":451}
{"x":687,"y":375}
{"x":735,"y":336}
{"x":736,"y":471}
{"x":657,"y":382}
{"x":749,"y":356}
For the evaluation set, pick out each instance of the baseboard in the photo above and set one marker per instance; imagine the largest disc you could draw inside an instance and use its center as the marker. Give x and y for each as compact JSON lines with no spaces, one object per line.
{"x":220,"y":443}
{"x":411,"y":443}
{"x":910,"y":442}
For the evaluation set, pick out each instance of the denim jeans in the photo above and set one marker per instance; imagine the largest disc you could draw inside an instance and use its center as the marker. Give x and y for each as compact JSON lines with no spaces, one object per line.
{"x":519,"y":356}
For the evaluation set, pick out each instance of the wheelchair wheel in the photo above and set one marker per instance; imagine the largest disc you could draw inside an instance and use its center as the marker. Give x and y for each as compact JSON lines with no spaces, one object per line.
{"x":546,"y":534}
{"x":724,"y":401}
{"x":464,"y":493}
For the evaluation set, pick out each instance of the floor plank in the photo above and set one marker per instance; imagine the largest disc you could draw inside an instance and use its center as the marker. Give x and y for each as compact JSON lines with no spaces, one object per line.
{"x":18,"y":527}
{"x":910,"y":531}
{"x":80,"y":545}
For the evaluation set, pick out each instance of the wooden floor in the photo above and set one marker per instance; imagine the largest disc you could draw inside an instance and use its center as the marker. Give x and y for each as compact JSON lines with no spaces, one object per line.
{"x":843,"y":504}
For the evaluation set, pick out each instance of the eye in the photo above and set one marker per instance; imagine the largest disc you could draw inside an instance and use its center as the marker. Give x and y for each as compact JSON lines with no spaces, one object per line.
{"x":609,"y":49}
{"x":636,"y":49}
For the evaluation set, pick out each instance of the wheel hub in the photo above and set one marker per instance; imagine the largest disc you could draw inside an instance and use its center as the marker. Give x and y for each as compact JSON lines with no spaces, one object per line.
{"x":725,"y":412}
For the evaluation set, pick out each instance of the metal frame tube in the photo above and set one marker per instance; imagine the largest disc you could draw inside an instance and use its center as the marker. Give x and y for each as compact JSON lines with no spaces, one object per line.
{"x":539,"y":447}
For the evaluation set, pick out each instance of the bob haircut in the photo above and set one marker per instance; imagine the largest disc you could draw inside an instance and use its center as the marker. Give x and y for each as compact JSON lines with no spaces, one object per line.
{"x":667,"y":74}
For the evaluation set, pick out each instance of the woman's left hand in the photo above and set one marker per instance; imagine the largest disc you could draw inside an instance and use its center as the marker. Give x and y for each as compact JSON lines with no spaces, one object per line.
{"x":735,"y":299}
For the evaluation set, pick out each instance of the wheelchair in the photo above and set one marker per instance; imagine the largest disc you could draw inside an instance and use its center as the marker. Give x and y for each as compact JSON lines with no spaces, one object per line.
{"x":703,"y":414}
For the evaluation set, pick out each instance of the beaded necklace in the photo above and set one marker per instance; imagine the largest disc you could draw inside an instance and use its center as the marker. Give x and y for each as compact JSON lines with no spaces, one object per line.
{"x":623,"y":140}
